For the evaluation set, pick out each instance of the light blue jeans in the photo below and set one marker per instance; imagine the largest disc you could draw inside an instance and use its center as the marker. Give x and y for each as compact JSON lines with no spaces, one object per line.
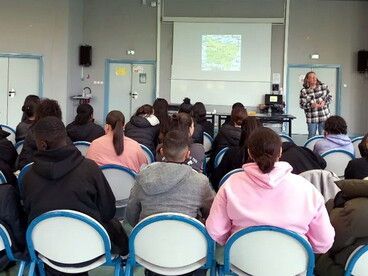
{"x":312,"y":129}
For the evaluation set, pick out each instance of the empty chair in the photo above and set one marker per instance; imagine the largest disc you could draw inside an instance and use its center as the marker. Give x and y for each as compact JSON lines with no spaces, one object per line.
{"x":9,"y":129}
{"x":226,"y":176}
{"x":324,"y":181}
{"x":337,"y":160}
{"x":70,"y":242}
{"x":82,"y":146}
{"x":148,"y":153}
{"x":170,"y":244}
{"x":357,"y":263}
{"x":311,"y":141}
{"x":355,"y":143}
{"x":286,"y":138}
{"x":121,"y":180}
{"x":207,"y":143}
{"x":219,"y":156}
{"x":5,"y":244}
{"x":267,"y":250}
{"x":19,"y":146}
{"x":2,"y":178}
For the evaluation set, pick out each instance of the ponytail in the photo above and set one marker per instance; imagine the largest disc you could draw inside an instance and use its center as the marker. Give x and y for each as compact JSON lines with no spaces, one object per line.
{"x":116,"y":120}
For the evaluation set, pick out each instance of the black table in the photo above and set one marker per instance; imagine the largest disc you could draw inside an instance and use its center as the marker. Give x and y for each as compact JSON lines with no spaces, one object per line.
{"x":220,"y":118}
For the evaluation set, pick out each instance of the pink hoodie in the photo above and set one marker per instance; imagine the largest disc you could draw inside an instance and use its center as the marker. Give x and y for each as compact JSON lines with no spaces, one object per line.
{"x":278,"y":198}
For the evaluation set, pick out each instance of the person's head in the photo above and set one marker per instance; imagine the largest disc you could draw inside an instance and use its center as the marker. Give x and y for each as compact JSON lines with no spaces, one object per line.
{"x":238,"y":114}
{"x":175,"y":146}
{"x":115,"y":122}
{"x":49,"y":133}
{"x":48,"y":107}
{"x":264,"y":148}
{"x":249,"y":125}
{"x":30,"y":105}
{"x":84,"y":114}
{"x":336,"y":125}
{"x":363,"y":146}
{"x":186,"y":106}
{"x":199,"y":112}
{"x":161,"y":107}
{"x":183,"y":122}
{"x":310,"y":80}
{"x":237,"y":104}
{"x":145,"y":110}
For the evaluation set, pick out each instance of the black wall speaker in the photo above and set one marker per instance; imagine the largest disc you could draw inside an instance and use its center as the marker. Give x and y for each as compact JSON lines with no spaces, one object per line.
{"x":363,"y":61}
{"x":85,"y":55}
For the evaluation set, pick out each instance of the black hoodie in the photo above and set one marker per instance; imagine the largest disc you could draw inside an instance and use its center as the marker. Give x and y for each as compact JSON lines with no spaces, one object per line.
{"x":87,"y":132}
{"x":8,"y":156}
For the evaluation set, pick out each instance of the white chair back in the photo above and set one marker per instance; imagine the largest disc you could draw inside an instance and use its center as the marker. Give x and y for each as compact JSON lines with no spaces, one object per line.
{"x":337,"y":160}
{"x":68,"y":241}
{"x":148,"y":153}
{"x":2,"y":178}
{"x":356,"y":141}
{"x":207,"y":142}
{"x":19,"y":146}
{"x":267,"y":250}
{"x":121,"y":180}
{"x":170,"y":244}
{"x":357,"y":262}
{"x":286,"y":138}
{"x":21,"y":173}
{"x":219,"y":156}
{"x":324,"y":181}
{"x":11,"y":130}
{"x":312,"y":141}
{"x":82,"y":146}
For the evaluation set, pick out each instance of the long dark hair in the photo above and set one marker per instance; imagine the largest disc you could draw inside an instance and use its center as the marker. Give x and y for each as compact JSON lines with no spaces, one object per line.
{"x":30,"y":105}
{"x":116,"y":120}
{"x":161,"y":107}
{"x":84,"y":113}
{"x":181,"y":121}
{"x":199,"y":112}
{"x":264,"y":147}
{"x":248,"y":126}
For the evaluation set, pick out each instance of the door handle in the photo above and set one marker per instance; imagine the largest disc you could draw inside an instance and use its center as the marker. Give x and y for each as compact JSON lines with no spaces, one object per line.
{"x":12,"y":93}
{"x":134,"y":95}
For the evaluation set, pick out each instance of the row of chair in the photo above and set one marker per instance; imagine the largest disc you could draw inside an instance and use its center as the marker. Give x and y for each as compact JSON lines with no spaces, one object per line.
{"x":169,"y":244}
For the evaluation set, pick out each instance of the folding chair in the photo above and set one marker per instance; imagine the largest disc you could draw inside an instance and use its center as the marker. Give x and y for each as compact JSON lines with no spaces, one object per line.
{"x":2,"y":178}
{"x":312,"y":141}
{"x":82,"y":146}
{"x":286,"y":138}
{"x":11,"y":130}
{"x":267,"y":250}
{"x":226,"y":176}
{"x":19,"y":146}
{"x":170,"y":244}
{"x":356,"y":141}
{"x":70,"y":242}
{"x":337,"y":160}
{"x":148,"y":153}
{"x":357,"y":262}
{"x":207,"y":143}
{"x":219,"y":156}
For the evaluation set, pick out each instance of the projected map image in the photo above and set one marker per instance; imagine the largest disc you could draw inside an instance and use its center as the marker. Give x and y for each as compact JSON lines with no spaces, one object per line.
{"x":221,"y":52}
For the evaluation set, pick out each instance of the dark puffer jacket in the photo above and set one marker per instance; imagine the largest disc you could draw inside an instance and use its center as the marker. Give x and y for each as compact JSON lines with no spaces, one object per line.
{"x":349,"y":218}
{"x":87,"y":132}
{"x":140,"y":130}
{"x":8,"y":156}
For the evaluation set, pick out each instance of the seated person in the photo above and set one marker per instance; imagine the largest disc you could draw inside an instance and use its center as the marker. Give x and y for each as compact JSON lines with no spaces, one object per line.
{"x":167,"y":182}
{"x":45,"y":108}
{"x":184,"y":123}
{"x":186,"y":107}
{"x":8,"y":157}
{"x":199,"y":116}
{"x":29,"y":107}
{"x":229,"y":135}
{"x":61,"y":178}
{"x":358,"y":167}
{"x":348,"y":214}
{"x":267,"y":193}
{"x":161,"y":108}
{"x":115,"y":147}
{"x":83,"y":128}
{"x":335,"y":136}
{"x":144,"y":127}
{"x":12,"y":217}
{"x":235,"y":157}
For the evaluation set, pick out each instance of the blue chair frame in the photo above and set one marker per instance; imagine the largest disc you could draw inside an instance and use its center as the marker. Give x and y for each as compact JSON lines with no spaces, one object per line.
{"x":149,"y":153}
{"x":110,"y":261}
{"x":286,"y":137}
{"x":5,"y":239}
{"x":81,"y":143}
{"x":206,"y":135}
{"x":354,"y":259}
{"x":355,"y":143}
{"x":225,"y":269}
{"x":18,"y":144}
{"x":8,"y":128}
{"x":20,"y":176}
{"x":118,"y":167}
{"x":132,"y":262}
{"x":226,"y":176}
{"x":219,"y":156}
{"x":310,"y":140}
{"x":2,"y":178}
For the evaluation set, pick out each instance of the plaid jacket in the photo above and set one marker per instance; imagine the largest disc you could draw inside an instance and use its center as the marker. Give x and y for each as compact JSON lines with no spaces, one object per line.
{"x":308,"y":96}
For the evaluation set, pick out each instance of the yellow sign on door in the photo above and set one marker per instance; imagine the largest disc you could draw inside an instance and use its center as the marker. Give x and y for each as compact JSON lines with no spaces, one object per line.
{"x":120,"y":71}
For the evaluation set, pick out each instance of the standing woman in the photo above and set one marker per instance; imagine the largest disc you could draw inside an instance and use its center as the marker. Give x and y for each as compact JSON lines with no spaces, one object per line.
{"x":83,"y":128}
{"x":115,"y":147}
{"x":315,"y":99}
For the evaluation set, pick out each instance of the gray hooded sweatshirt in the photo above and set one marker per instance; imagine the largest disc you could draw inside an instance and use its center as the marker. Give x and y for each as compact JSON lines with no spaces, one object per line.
{"x":169,"y":187}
